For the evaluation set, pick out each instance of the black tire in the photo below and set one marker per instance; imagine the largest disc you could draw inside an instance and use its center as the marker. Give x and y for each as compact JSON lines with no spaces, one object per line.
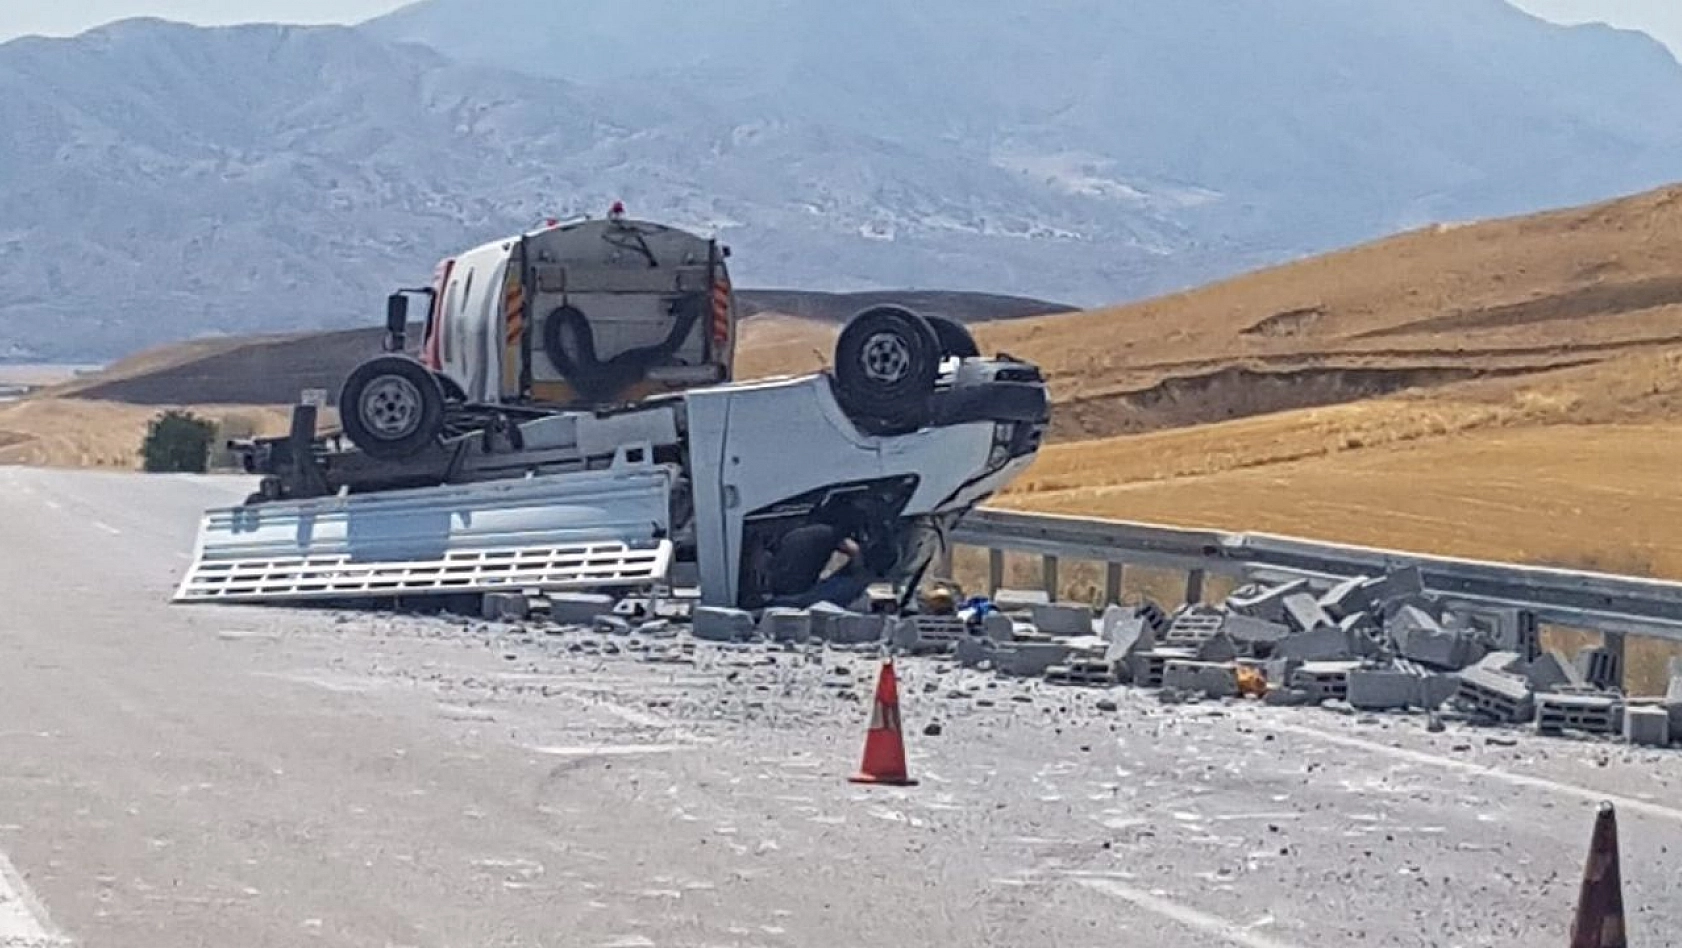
{"x":886,"y":362}
{"x":955,"y":338}
{"x":391,"y":407}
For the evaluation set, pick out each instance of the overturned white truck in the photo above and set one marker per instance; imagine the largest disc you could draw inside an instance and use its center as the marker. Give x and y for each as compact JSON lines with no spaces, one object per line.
{"x":572,"y":422}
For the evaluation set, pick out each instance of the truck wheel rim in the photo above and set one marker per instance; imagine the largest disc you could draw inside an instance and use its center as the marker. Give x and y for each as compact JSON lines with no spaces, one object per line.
{"x":886,"y":357}
{"x":391,"y":406}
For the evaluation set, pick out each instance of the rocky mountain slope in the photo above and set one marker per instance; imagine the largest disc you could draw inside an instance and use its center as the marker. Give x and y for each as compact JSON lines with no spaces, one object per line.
{"x":159,"y":181}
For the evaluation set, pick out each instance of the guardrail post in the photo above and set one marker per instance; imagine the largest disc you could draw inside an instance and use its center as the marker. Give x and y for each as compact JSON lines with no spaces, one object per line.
{"x":1048,"y":567}
{"x":943,"y":562}
{"x":1613,"y":643}
{"x":1112,"y":583}
{"x":1194,"y":586}
{"x":995,"y":570}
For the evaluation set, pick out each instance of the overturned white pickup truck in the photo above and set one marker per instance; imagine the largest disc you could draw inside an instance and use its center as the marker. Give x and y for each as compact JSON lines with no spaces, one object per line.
{"x":910,"y":430}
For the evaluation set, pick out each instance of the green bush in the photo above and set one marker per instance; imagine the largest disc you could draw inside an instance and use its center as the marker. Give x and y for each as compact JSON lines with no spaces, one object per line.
{"x":178,"y":441}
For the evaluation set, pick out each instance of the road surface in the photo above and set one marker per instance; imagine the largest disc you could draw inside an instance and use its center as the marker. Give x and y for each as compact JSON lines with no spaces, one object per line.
{"x":178,"y":776}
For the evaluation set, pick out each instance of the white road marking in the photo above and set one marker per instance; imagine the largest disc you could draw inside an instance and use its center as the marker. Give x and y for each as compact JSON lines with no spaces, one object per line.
{"x":23,"y":921}
{"x":107,"y":527}
{"x":1493,"y":773}
{"x":1228,"y":931}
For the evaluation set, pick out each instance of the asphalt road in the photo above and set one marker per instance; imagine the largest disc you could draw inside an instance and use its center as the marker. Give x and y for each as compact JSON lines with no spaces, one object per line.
{"x":178,"y":776}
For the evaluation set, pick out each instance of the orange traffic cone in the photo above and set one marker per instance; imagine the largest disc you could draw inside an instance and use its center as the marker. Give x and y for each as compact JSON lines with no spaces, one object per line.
{"x":1600,"y":905}
{"x":884,"y":746}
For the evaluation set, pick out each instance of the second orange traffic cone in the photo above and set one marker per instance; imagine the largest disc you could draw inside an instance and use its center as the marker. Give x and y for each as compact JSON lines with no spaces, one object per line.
{"x":884,"y":745}
{"x":1599,"y":922}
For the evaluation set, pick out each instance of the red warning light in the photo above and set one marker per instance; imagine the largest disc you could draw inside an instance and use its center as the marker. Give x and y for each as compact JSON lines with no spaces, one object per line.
{"x":617,"y":211}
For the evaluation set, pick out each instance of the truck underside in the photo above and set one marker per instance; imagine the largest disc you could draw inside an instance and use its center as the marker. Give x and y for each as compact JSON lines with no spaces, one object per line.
{"x":912,"y":429}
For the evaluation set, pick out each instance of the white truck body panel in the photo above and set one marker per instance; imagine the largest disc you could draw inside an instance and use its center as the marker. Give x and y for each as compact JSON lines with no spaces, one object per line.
{"x":585,"y":529}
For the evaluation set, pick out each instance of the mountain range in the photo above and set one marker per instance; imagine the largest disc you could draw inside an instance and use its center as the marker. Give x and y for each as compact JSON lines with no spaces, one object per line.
{"x":160,"y":181}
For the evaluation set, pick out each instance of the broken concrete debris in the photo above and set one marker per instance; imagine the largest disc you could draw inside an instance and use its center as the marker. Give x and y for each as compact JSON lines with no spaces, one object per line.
{"x":1361,"y":645}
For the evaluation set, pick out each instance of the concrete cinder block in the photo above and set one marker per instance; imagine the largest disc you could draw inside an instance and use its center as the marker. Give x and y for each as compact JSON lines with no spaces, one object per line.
{"x":1552,"y":671}
{"x":504,"y":606}
{"x":1248,"y":632}
{"x":1647,"y":726}
{"x":1029,"y":659}
{"x":1217,"y":680}
{"x":720,"y":624}
{"x":972,"y":652}
{"x":1499,"y":694}
{"x":611,"y":625}
{"x":1303,"y":613}
{"x":1591,"y":714}
{"x":856,"y":628}
{"x":1324,"y":680}
{"x":1019,"y":600}
{"x":1147,"y":667}
{"x":579,"y":608}
{"x":1194,"y":625}
{"x":998,"y":627}
{"x":1127,"y":629}
{"x":779,"y":624}
{"x":1265,"y":603}
{"x":1326,"y":643}
{"x":1347,"y":598}
{"x":1420,"y":637}
{"x":1599,"y":666}
{"x":1062,"y":618}
{"x":1220,"y":648}
{"x":1382,"y":689}
{"x":1154,"y":615}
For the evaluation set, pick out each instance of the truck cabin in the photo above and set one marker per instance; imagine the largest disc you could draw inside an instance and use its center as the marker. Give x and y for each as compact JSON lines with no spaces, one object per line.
{"x":582,"y":314}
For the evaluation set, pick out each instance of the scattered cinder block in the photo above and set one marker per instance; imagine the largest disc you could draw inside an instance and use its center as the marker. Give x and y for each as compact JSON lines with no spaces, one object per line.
{"x":1552,"y":671}
{"x":1591,"y":714}
{"x":1029,"y":659}
{"x":611,"y":625}
{"x":1303,"y":613}
{"x":779,"y":624}
{"x":1265,"y":603}
{"x":1278,"y":671}
{"x":1498,"y":694}
{"x":936,"y":633}
{"x":1420,"y":637}
{"x":1126,"y":628}
{"x":1019,"y":600}
{"x":1599,"y":667}
{"x":1249,"y":633}
{"x":1217,"y":680}
{"x":854,"y":628}
{"x":972,"y":652}
{"x":1673,"y":697}
{"x":1062,"y":618}
{"x":1382,"y":689}
{"x":1327,"y":643}
{"x":1347,"y":598}
{"x":1194,"y":626}
{"x":1435,"y":688}
{"x":1085,"y":672}
{"x":1220,"y":648}
{"x":823,"y":613}
{"x":721,"y":624}
{"x":504,"y":606}
{"x":1155,"y":618}
{"x":1647,"y":725}
{"x":579,"y":608}
{"x":1325,"y":681}
{"x":1148,"y":666}
{"x":1284,"y":697}
{"x":998,"y":626}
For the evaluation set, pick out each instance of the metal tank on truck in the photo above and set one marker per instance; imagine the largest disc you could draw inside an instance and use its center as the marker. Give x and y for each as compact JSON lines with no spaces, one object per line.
{"x":582,"y":314}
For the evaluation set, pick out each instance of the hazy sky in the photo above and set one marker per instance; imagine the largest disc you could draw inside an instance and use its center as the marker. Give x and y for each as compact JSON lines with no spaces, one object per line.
{"x":1662,"y":18}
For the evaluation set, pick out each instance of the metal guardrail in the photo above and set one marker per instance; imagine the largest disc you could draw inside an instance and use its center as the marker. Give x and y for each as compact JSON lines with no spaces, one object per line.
{"x":1596,"y":601}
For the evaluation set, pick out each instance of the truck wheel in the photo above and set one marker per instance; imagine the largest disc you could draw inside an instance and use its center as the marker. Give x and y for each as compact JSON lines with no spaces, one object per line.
{"x":391,"y":407}
{"x":955,"y":338}
{"x":886,"y":361}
